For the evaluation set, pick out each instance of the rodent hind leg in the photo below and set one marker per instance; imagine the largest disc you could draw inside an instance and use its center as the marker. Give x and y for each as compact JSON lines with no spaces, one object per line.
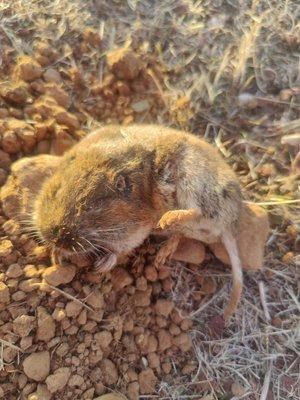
{"x":230,"y":244}
{"x":176,"y":217}
{"x":167,"y":250}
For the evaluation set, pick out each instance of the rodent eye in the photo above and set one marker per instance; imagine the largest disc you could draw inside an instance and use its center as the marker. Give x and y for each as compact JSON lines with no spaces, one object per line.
{"x":123,"y":184}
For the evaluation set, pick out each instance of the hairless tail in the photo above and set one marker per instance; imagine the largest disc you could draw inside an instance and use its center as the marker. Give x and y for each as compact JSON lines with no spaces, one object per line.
{"x":230,"y":244}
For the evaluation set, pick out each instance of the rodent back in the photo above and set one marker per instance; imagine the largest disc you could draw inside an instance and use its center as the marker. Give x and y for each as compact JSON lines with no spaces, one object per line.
{"x":203,"y":178}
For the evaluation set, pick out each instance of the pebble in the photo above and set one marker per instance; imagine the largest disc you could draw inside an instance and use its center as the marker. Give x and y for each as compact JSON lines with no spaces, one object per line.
{"x":182,"y":341}
{"x":151,"y":273}
{"x":14,"y":271}
{"x":57,"y":275}
{"x":27,"y":69}
{"x":104,"y":339}
{"x":23,"y":325}
{"x":6,"y":248}
{"x":121,"y":278}
{"x":164,"y":307}
{"x":147,"y":381}
{"x":164,"y":340}
{"x":51,"y":75}
{"x":58,"y":380}
{"x":109,"y":372}
{"x":95,"y":299}
{"x":73,"y":309}
{"x":46,"y":325}
{"x":76,"y":381}
{"x":37,"y":365}
{"x":4,"y":293}
{"x":124,"y":63}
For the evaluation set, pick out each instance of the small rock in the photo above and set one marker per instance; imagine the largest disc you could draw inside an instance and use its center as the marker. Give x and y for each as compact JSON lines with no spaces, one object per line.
{"x":140,"y":106}
{"x":37,"y":366}
{"x":164,"y":340}
{"x":3,"y":176}
{"x":76,"y":381}
{"x":92,"y":37}
{"x":6,"y":248}
{"x":124,"y":63}
{"x":88,"y":394}
{"x":151,"y":273}
{"x":57,"y":275}
{"x":190,"y":250}
{"x":82,"y":317}
{"x":42,"y":393}
{"x":51,"y":75}
{"x":182,"y":341}
{"x":58,"y":379}
{"x":164,"y":307}
{"x":59,"y":94}
{"x":46,"y":325}
{"x":104,"y":339}
{"x":4,"y":160}
{"x":10,"y":142}
{"x":109,"y":372}
{"x":188,"y":369}
{"x":4,"y":293}
{"x":26,"y":342}
{"x":111,"y":396}
{"x":95,"y":299}
{"x":63,"y":117}
{"x":142,"y":298}
{"x":153,"y":360}
{"x":27,"y":69}
{"x":29,"y":285}
{"x":141,"y":283}
{"x":23,"y":325}
{"x":133,"y":390}
{"x":73,"y":309}
{"x":14,"y":271}
{"x":147,"y":381}
{"x":166,"y":367}
{"x":152,"y":344}
{"x":16,"y":93}
{"x":9,"y":354}
{"x":121,"y":278}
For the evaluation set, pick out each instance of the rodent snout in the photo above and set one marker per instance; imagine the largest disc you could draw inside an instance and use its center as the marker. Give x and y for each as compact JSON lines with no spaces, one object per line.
{"x":63,"y":237}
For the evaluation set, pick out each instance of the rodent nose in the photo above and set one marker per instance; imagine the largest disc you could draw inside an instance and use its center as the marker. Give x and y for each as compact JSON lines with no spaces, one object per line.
{"x":62,"y":236}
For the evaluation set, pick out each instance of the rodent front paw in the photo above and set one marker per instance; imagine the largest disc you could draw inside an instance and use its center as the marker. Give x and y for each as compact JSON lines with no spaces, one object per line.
{"x":177,"y":217}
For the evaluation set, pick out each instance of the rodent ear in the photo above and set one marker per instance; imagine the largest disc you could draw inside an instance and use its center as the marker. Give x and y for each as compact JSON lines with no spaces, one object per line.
{"x":123,"y":184}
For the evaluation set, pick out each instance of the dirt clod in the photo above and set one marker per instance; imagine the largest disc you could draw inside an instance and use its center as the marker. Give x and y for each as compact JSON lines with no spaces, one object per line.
{"x":58,"y":380}
{"x":27,"y":69}
{"x":109,"y":372}
{"x":56,"y":275}
{"x":36,"y":366}
{"x":164,"y":307}
{"x":4,"y":293}
{"x":124,"y":63}
{"x":147,"y":381}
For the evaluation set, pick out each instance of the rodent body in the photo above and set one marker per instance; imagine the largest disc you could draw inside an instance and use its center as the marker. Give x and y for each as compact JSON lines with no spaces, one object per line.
{"x":112,"y":189}
{"x":188,"y":171}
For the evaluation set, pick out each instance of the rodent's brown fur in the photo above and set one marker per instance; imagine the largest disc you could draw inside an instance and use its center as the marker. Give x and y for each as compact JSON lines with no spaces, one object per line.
{"x":112,"y":188}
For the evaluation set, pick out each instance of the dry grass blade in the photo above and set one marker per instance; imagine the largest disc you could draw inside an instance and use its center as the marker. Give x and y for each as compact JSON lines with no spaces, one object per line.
{"x":12,"y":346}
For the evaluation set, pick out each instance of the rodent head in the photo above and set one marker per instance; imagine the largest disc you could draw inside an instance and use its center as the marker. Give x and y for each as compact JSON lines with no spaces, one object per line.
{"x":101,"y":203}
